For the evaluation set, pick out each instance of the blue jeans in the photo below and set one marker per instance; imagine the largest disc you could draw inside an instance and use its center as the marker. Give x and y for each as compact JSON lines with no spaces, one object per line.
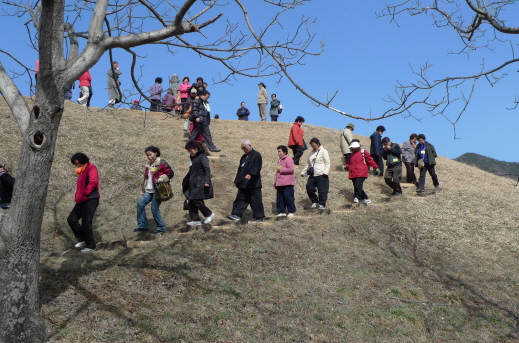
{"x":142,"y":221}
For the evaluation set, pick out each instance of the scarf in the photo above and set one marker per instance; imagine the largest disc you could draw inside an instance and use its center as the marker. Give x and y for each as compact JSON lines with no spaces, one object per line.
{"x":80,"y":170}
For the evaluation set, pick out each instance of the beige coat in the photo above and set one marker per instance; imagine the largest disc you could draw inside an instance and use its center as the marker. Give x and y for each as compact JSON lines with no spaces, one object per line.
{"x":263,"y":97}
{"x":345,"y":146}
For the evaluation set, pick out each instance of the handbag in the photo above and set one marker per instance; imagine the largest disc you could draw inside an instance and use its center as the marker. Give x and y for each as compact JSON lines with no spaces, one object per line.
{"x":311,"y":171}
{"x":163,"y":191}
{"x":421,"y":163}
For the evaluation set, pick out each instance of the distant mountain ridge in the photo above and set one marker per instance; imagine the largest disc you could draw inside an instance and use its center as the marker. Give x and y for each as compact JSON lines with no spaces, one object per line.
{"x":508,"y":169}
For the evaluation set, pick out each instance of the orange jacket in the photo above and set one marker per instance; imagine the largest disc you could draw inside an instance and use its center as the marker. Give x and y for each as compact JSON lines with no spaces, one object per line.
{"x":296,"y":135}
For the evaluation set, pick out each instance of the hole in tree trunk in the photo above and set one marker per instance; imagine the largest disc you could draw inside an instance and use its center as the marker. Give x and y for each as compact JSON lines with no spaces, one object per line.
{"x":36,"y":110}
{"x":38,"y":138}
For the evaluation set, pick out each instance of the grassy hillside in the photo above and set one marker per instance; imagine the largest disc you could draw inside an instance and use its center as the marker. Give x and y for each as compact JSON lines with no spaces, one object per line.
{"x":509,"y":169}
{"x":439,"y":268}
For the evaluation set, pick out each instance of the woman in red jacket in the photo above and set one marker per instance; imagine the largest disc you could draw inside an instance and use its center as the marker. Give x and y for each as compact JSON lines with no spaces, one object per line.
{"x":84,"y":85}
{"x":295,"y":140}
{"x":87,"y":199}
{"x":359,"y":161}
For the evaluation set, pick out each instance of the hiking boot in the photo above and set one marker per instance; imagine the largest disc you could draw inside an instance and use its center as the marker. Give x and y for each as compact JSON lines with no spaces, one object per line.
{"x":420,"y":190}
{"x":258,"y":220}
{"x":367,"y":201}
{"x":80,"y":245}
{"x":314,"y":205}
{"x":208,"y":219}
{"x":158,"y":232}
{"x":233,"y":217}
{"x":216,"y":150}
{"x":140,"y":230}
{"x":397,"y":194}
{"x":281,"y":215}
{"x":355,"y":200}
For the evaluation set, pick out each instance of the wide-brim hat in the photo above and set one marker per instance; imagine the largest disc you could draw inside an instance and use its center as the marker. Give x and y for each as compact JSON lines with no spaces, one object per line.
{"x":355,"y":145}
{"x":351,"y":125}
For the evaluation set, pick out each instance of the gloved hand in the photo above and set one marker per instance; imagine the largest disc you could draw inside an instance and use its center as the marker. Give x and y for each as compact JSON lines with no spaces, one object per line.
{"x":377,"y":172}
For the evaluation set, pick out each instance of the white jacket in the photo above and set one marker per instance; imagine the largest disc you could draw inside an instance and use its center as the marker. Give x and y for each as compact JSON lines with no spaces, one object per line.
{"x":346,"y":136}
{"x":321,"y":164}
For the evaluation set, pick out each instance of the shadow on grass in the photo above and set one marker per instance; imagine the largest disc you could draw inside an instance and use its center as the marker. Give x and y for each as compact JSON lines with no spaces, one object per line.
{"x":76,"y":266}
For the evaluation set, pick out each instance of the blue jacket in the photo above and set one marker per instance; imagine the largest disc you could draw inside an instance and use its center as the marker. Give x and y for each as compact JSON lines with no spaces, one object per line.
{"x":376,"y":144}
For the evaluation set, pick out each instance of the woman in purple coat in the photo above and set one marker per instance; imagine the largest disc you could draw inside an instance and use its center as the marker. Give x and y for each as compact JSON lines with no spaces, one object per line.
{"x":156,"y":94}
{"x":284,"y":184}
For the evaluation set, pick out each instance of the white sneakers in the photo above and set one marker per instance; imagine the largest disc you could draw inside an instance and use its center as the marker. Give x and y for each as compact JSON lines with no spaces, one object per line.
{"x":322,"y":207}
{"x":194,"y":223}
{"x":367,"y":201}
{"x":314,"y":205}
{"x":281,"y":215}
{"x":208,"y":219}
{"x":80,"y":245}
{"x":355,"y":200}
{"x":87,"y":250}
{"x":290,"y":215}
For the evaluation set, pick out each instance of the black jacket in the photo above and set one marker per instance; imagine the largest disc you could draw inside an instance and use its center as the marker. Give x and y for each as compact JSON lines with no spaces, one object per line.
{"x":198,"y":175}
{"x":393,"y":156}
{"x":249,"y":164}
{"x":199,"y":111}
{"x":6,"y":188}
{"x":242,"y":112}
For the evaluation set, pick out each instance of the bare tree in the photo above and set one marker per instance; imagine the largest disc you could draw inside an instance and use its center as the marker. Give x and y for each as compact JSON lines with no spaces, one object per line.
{"x":120,"y":24}
{"x":480,"y":25}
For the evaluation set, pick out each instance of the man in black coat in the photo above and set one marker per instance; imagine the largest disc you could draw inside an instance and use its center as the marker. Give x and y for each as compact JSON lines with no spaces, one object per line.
{"x":248,"y":181}
{"x":6,"y":188}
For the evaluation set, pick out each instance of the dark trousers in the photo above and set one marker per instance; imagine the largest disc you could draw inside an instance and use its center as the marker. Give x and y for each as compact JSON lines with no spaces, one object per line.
{"x":322,"y":185}
{"x":380,"y":162}
{"x":273,"y":118}
{"x":428,"y":168}
{"x":198,"y":205}
{"x":409,"y":173}
{"x":392,"y":178}
{"x":154,"y":105}
{"x":246,"y":118}
{"x":85,"y":211}
{"x":298,"y":152}
{"x":201,"y":128}
{"x":285,"y":199}
{"x":347,"y":158}
{"x":185,"y":106}
{"x":246,"y":197}
{"x":358,"y":191}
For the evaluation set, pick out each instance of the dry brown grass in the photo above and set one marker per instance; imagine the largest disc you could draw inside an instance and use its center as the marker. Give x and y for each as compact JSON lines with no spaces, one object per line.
{"x":439,"y":268}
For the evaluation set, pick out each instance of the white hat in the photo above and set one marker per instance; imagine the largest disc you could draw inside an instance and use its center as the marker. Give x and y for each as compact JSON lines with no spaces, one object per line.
{"x":355,"y":145}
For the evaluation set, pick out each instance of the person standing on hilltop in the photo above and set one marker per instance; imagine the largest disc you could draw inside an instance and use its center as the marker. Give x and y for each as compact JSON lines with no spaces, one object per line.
{"x":408,"y":152}
{"x":243,"y":113}
{"x":183,"y":89}
{"x":345,"y":140}
{"x":425,"y":157}
{"x":114,"y":92}
{"x":263,"y":99}
{"x":84,"y":85}
{"x":392,"y":154}
{"x":156,"y":95}
{"x":317,"y":169}
{"x":376,"y":149}
{"x":274,"y":108}
{"x":248,"y":182}
{"x":87,"y":199}
{"x":360,"y":159}
{"x":295,"y":140}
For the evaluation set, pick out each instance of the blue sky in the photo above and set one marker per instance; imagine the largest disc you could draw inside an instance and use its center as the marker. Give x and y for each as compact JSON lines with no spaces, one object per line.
{"x":364,"y":57}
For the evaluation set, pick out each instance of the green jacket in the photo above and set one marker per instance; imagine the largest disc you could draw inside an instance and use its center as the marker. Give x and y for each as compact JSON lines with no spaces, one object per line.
{"x":431,"y":154}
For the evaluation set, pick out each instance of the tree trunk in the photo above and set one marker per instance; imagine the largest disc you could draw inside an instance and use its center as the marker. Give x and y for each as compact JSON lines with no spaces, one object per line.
{"x":20,"y":317}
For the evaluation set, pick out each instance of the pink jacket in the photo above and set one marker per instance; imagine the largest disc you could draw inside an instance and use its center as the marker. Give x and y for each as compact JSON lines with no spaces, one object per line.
{"x":84,"y":80}
{"x":285,"y":172}
{"x":184,"y":90}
